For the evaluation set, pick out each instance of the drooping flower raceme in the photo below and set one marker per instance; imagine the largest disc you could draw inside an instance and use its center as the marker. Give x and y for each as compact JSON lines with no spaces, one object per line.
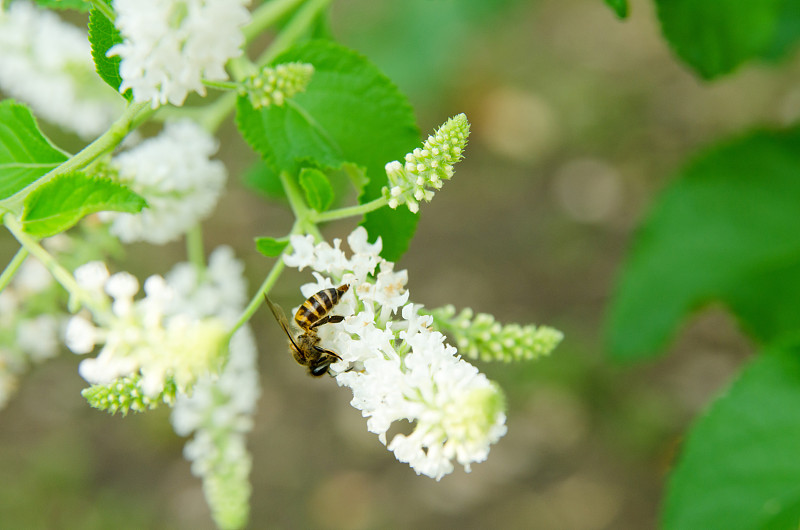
{"x":424,"y":169}
{"x":396,"y":366}
{"x":48,"y":64}
{"x":218,"y":411}
{"x":176,"y":176}
{"x":170,"y":46}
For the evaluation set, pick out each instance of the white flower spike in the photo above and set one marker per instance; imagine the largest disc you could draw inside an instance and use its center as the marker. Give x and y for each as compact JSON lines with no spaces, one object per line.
{"x":47,"y":63}
{"x":396,"y":366}
{"x":170,"y":46}
{"x":175,"y":174}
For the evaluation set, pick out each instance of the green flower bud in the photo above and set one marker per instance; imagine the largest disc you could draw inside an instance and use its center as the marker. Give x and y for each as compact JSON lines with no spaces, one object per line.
{"x":480,"y":336}
{"x":425,"y":169}
{"x":125,"y":395}
{"x":274,"y":85}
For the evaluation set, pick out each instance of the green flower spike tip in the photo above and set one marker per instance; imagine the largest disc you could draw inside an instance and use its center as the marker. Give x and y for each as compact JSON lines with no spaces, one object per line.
{"x":274,"y":85}
{"x":426,"y":168}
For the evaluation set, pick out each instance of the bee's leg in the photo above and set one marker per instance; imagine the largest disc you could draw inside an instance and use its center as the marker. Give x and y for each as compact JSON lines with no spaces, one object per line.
{"x":321,"y":321}
{"x":323,"y":351}
{"x":332,"y":319}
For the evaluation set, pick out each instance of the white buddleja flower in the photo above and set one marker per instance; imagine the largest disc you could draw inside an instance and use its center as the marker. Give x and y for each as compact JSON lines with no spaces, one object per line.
{"x":398,"y":367}
{"x":217,"y":412}
{"x":47,"y":63}
{"x":425,"y":169}
{"x":220,"y":409}
{"x":175,"y":174}
{"x":273,"y":85}
{"x":29,"y":324}
{"x":170,"y":46}
{"x":145,"y":337}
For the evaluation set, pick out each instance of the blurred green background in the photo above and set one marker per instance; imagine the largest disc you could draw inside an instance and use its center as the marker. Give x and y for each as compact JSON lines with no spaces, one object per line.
{"x":578,"y":119}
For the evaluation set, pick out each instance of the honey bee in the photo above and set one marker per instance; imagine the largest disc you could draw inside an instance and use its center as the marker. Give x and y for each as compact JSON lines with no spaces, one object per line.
{"x":309,"y":317}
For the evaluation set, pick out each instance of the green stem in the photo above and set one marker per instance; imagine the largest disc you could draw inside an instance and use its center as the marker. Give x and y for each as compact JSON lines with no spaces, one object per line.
{"x":258,"y":298}
{"x":12,"y":267}
{"x":268,"y":282}
{"x":351,"y":211}
{"x":266,"y":15}
{"x":135,"y":113}
{"x":295,"y":196}
{"x":303,"y":224}
{"x":295,"y":29}
{"x":221,"y":85}
{"x":194,"y":248}
{"x":78,"y":294}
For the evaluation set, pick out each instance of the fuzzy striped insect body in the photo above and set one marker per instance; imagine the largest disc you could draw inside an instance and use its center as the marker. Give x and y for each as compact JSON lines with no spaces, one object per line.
{"x":309,"y":317}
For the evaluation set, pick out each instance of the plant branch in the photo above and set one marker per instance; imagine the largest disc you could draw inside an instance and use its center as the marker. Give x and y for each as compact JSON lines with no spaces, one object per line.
{"x":266,"y":15}
{"x":295,"y":29}
{"x":351,"y":211}
{"x":221,"y":85}
{"x":194,"y":248}
{"x":12,"y":267}
{"x":78,"y":294}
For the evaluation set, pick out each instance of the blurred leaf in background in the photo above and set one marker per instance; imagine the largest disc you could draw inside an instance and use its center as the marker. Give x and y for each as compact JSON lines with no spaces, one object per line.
{"x":418,"y":43}
{"x":715,"y":37}
{"x":724,"y":230}
{"x":739,"y":467}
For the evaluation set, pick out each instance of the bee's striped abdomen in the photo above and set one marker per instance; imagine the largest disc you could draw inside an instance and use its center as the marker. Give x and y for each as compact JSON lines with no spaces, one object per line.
{"x":318,"y":306}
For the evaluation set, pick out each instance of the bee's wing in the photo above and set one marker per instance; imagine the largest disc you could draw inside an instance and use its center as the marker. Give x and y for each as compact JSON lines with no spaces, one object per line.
{"x":280,"y":316}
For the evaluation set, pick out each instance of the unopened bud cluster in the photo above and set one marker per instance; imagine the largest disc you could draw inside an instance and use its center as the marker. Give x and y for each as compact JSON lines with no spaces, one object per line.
{"x":481,"y":336}
{"x":425,"y":169}
{"x":274,"y":85}
{"x":125,"y":394}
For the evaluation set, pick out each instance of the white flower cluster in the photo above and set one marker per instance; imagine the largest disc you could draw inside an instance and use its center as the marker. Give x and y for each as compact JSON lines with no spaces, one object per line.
{"x":396,"y":366}
{"x":25,"y":336}
{"x":425,"y":169}
{"x":149,"y":336}
{"x":141,"y":336}
{"x":47,"y":63}
{"x":170,"y":46}
{"x":219,"y":411}
{"x":176,"y":176}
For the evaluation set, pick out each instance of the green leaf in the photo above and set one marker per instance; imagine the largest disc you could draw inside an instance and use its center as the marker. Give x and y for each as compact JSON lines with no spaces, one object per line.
{"x":350,"y":112}
{"x":261,"y":178}
{"x":102,"y":36}
{"x":620,"y":7}
{"x":715,"y":37}
{"x":270,"y":246}
{"x":724,"y":230}
{"x":317,"y":187}
{"x":61,"y":202}
{"x":78,"y":5}
{"x":25,"y":153}
{"x":739,"y":468}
